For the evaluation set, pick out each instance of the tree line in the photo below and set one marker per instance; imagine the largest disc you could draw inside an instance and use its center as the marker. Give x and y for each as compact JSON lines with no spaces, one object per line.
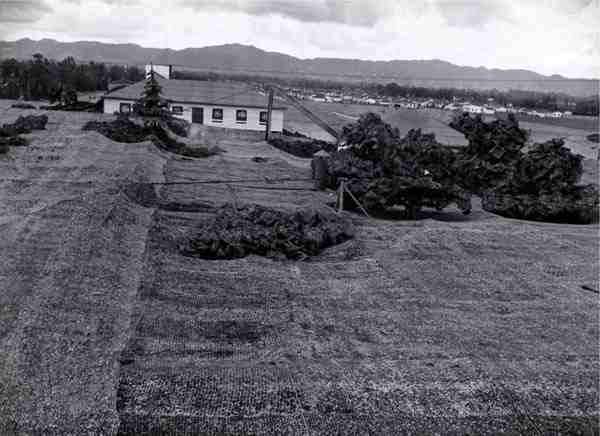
{"x":518,"y":98}
{"x":40,"y":78}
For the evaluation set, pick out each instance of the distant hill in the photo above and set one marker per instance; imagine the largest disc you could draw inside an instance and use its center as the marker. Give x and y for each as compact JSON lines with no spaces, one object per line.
{"x":249,"y":59}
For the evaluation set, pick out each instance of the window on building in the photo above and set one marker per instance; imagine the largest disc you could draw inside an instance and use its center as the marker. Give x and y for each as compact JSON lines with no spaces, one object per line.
{"x":125,"y":108}
{"x":177,"y":109}
{"x":241,"y":115}
{"x":263,"y":117}
{"x":217,"y":115}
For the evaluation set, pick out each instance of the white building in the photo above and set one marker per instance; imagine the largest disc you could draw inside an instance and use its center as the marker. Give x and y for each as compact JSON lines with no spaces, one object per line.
{"x":164,"y":71}
{"x":216,"y":104}
{"x":473,"y":109}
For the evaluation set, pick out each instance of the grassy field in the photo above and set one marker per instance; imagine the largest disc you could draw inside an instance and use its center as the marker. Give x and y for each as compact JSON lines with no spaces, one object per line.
{"x":436,"y":121}
{"x":337,"y":115}
{"x":575,"y":122}
{"x":450,"y":324}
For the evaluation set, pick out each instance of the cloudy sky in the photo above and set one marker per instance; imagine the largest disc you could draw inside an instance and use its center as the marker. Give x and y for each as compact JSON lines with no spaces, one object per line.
{"x":547,"y":36}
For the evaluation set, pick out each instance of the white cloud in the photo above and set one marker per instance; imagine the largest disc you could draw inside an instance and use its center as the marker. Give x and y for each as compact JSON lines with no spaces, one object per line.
{"x":548,"y":36}
{"x":22,"y":11}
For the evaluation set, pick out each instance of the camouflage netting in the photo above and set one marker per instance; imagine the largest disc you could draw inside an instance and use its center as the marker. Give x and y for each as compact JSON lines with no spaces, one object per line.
{"x":543,"y":186}
{"x":267,"y":232}
{"x":384,"y":170}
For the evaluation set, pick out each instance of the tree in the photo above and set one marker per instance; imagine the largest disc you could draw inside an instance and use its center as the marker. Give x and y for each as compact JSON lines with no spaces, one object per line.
{"x":384,"y":170}
{"x":543,"y":186}
{"x":151,"y":105}
{"x":492,"y":151}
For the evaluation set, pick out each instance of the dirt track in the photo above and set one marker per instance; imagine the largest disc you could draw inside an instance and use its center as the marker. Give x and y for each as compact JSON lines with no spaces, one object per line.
{"x":443,"y":325}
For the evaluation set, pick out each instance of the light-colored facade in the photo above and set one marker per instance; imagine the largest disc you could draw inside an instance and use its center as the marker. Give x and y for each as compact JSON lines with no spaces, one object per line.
{"x":228,"y":118}
{"x":473,"y":109}
{"x":163,"y":70}
{"x":213,"y":104}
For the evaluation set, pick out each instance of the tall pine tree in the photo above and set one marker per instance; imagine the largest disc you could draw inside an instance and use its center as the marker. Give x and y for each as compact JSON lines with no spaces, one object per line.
{"x":152,"y":106}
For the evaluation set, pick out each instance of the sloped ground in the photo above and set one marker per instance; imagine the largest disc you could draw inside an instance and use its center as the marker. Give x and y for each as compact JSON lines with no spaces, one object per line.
{"x":474,"y":325}
{"x":446,"y":325}
{"x":71,"y":250}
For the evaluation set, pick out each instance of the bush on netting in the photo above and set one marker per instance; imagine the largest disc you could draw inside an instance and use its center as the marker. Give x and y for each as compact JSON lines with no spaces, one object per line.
{"x":253,"y":229}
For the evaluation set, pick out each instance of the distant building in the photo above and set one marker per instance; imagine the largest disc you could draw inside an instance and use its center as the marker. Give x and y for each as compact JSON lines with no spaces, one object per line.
{"x":473,"y":109}
{"x":164,"y":71}
{"x":216,"y":104}
{"x":321,"y":98}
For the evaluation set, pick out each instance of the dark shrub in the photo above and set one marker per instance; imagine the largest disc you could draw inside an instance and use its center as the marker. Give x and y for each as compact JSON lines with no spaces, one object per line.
{"x":384,"y":170}
{"x":22,"y":106}
{"x":123,"y":129}
{"x":493,"y":149}
{"x":542,"y":186}
{"x":267,"y":232}
{"x":305,"y":148}
{"x":25,"y":125}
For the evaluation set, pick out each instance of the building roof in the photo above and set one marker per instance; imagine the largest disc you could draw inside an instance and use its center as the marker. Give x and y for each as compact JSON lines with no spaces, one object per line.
{"x":199,"y":92}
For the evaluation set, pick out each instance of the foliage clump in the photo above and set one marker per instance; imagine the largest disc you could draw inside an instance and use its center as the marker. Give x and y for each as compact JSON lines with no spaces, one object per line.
{"x":493,"y":149}
{"x":123,"y":129}
{"x":369,"y":136}
{"x":543,"y":186}
{"x":253,"y":229}
{"x":540,"y":184}
{"x":384,"y":170}
{"x":24,"y":125}
{"x":9,"y":133}
{"x":151,"y":106}
{"x":22,"y":106}
{"x":594,"y":137}
{"x":303,"y":147}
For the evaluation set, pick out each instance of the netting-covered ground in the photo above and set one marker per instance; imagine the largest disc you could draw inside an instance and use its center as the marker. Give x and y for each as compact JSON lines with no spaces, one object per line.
{"x":447,"y":325}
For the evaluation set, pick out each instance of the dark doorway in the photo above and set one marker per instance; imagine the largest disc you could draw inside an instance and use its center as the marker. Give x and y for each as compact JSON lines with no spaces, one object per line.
{"x":198,"y":115}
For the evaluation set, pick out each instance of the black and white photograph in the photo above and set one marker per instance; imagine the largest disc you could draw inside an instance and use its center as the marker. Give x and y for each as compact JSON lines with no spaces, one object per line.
{"x":299,"y":217}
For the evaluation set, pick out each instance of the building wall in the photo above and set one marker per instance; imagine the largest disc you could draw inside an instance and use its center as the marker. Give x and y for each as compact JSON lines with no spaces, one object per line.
{"x":229,"y":120}
{"x":163,"y":70}
{"x":112,"y":106}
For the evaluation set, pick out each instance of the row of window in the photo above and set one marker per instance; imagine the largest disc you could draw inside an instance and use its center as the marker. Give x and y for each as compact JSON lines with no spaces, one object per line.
{"x":241,"y":115}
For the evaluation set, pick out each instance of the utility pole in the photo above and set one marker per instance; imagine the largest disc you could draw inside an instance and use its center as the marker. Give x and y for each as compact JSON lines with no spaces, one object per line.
{"x":269,"y":113}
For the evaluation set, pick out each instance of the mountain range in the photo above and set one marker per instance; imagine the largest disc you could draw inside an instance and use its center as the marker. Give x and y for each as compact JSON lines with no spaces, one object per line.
{"x":249,"y":59}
